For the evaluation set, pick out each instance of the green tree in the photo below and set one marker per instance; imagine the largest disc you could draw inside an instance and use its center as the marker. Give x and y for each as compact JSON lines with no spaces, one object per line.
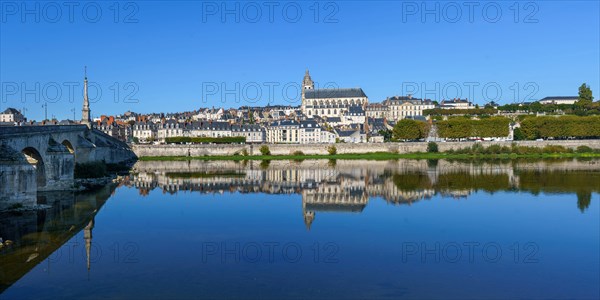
{"x":561,"y":127}
{"x":387,"y":135}
{"x":410,"y":130}
{"x":264,"y":150}
{"x":519,"y":135}
{"x":332,"y":150}
{"x":432,"y":147}
{"x":585,"y":95}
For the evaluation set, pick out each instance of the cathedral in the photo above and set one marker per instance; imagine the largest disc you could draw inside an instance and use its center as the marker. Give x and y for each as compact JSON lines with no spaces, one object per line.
{"x":334,"y":102}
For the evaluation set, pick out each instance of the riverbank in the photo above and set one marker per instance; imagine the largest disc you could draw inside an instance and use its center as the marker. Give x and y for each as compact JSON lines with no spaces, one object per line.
{"x":375,"y":150}
{"x":374,"y":156}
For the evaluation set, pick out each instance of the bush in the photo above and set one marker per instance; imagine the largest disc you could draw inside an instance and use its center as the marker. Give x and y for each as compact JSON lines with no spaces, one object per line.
{"x":432,"y":147}
{"x":264,"y":150}
{"x":584,"y":149}
{"x":298,"y":153}
{"x":477,"y":148}
{"x":555,"y":149}
{"x":494,"y":149}
{"x":332,"y":150}
{"x":244,"y":152}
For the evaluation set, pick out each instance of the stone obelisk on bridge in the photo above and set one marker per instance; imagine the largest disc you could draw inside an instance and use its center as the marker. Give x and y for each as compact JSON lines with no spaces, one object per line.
{"x":85,"y":112}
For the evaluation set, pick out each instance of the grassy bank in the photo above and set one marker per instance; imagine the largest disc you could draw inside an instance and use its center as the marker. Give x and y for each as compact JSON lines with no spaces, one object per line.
{"x":373,"y":156}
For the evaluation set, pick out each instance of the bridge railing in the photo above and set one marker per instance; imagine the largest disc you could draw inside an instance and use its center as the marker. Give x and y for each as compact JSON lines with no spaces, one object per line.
{"x":37,"y":129}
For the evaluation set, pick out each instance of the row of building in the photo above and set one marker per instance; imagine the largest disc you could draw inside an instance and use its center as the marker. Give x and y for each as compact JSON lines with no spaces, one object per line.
{"x":277,"y":132}
{"x":324,"y":116}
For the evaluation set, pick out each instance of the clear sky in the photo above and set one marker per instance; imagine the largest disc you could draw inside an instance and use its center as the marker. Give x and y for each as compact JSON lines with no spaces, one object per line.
{"x":178,"y":56}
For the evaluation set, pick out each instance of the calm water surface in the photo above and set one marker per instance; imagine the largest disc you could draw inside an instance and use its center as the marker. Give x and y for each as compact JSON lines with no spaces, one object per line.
{"x":315,"y":229}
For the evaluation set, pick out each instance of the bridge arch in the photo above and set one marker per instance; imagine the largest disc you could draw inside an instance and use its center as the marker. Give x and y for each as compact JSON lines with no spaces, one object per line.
{"x":34,"y":157}
{"x":69,"y":146}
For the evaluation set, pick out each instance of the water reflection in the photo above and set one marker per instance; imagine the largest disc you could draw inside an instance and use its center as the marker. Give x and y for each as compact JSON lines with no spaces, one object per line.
{"x":171,"y":235}
{"x":33,"y":235}
{"x":347,"y":186}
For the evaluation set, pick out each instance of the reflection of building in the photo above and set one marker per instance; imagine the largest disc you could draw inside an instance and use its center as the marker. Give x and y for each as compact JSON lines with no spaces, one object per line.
{"x":342,"y":186}
{"x":323,"y":187}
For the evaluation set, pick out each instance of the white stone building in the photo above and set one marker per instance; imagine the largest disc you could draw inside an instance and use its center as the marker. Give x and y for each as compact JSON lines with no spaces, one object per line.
{"x":12,"y":115}
{"x":170,"y":128}
{"x":310,"y":132}
{"x":400,"y":107}
{"x":559,"y":100}
{"x":283,"y":132}
{"x":252,"y":133}
{"x":352,"y":136}
{"x":456,"y":104}
{"x":333,"y":102}
{"x":144,"y":131}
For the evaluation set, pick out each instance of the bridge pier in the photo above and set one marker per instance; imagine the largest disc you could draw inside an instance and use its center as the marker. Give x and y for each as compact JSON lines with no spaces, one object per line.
{"x":18,"y":183}
{"x":60,"y":168}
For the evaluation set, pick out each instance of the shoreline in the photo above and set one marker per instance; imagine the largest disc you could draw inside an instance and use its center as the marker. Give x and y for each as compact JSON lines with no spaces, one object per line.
{"x":372,"y":156}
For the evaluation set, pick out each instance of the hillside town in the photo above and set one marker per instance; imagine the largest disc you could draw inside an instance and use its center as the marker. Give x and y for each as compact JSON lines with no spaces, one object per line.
{"x":325,"y":116}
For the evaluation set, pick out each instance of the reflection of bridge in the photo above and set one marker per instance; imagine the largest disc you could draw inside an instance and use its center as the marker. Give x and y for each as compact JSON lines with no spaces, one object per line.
{"x":43,"y":157}
{"x":36,"y":234}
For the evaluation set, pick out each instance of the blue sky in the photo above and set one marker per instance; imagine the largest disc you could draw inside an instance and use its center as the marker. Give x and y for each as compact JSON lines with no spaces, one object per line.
{"x":179,"y":56}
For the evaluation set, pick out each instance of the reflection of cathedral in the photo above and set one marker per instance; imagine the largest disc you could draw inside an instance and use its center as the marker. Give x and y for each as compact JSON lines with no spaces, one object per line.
{"x":323,"y":188}
{"x":344,"y":185}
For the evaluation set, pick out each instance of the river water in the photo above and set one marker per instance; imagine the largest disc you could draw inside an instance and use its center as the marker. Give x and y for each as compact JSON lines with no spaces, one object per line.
{"x":315,"y":229}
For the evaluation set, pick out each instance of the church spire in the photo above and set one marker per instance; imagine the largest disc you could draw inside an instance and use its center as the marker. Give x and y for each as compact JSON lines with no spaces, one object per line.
{"x":85,"y":112}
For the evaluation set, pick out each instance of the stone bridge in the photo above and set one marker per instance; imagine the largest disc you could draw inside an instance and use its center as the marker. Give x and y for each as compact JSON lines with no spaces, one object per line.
{"x":43,"y":158}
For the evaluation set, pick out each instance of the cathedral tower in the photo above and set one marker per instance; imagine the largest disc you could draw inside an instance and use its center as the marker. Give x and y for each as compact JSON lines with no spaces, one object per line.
{"x":307,"y":84}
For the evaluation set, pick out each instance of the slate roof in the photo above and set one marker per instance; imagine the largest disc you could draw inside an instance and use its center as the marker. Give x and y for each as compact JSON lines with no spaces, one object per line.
{"x":247,"y":127}
{"x":334,"y":93}
{"x":355,"y":110}
{"x":561,"y":98}
{"x":455,"y":101}
{"x":406,"y":99}
{"x":343,"y":133}
{"x":11,"y":111}
{"x":309,"y":124}
{"x":284,"y":123}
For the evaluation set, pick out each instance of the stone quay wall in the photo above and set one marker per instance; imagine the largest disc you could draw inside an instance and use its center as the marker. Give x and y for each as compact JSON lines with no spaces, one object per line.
{"x":342,"y":148}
